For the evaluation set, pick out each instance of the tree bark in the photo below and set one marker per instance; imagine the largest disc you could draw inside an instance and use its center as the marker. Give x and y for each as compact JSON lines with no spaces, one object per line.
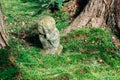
{"x":117,"y":16}
{"x":3,"y":36}
{"x":97,"y":13}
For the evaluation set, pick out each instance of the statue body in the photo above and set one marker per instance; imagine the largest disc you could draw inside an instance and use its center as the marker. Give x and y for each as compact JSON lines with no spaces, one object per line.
{"x":49,"y":35}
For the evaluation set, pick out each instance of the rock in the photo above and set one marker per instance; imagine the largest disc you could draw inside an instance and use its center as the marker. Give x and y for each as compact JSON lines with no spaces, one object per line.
{"x":49,"y":35}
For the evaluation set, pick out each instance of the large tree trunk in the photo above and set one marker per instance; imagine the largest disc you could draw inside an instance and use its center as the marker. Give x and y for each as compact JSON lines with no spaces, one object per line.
{"x":97,"y":13}
{"x":117,"y":16}
{"x":3,"y":37}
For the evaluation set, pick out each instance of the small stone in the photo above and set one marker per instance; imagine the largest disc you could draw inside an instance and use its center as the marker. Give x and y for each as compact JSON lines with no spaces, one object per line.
{"x":49,"y":35}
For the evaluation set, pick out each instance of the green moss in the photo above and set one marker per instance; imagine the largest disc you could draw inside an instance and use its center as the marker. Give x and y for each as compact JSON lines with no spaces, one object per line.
{"x":88,"y":54}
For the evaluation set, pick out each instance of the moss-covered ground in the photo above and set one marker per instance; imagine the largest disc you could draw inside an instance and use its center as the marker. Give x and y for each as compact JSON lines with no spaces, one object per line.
{"x":88,"y":54}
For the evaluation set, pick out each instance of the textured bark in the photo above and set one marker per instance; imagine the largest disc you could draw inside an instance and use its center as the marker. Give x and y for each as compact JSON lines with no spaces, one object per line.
{"x":74,"y":7}
{"x":117,"y":16}
{"x":98,"y":13}
{"x":3,"y":37}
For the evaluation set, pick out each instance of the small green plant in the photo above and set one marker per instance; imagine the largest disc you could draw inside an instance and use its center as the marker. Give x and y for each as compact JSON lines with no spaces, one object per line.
{"x":51,"y":3}
{"x":30,"y":1}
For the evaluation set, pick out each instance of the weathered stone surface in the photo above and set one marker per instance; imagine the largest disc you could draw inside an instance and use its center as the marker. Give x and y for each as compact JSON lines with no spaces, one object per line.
{"x":49,"y":35}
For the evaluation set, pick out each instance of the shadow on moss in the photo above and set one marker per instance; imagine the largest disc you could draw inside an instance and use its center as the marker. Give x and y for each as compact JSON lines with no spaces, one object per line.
{"x":8,"y":70}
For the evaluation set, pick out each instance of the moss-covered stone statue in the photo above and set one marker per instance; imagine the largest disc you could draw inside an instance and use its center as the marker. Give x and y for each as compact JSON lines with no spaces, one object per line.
{"x":49,"y":35}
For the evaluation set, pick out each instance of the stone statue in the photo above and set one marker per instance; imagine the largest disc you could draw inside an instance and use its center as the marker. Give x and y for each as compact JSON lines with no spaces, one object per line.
{"x":49,"y":35}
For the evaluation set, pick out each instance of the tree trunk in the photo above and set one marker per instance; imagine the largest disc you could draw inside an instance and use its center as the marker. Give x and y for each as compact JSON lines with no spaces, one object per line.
{"x":117,"y":16}
{"x":97,"y":13}
{"x":3,"y":37}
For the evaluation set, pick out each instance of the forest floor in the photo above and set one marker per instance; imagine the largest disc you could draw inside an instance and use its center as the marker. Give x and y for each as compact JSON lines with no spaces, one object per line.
{"x":88,"y":54}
